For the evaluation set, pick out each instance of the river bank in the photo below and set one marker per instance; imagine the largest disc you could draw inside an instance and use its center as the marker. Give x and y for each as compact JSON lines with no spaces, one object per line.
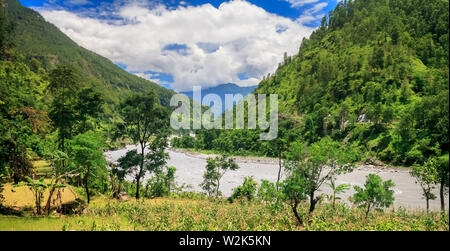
{"x":191,"y":166}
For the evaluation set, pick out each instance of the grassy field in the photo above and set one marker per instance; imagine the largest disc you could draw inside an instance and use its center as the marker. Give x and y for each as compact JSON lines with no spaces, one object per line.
{"x":197,"y":214}
{"x":193,"y":212}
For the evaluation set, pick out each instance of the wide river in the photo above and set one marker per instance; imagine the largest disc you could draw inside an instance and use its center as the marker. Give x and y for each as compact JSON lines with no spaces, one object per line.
{"x":190,"y":169}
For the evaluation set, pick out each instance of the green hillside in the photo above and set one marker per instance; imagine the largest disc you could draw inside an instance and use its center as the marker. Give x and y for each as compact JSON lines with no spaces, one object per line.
{"x":373,"y":76}
{"x":38,"y":39}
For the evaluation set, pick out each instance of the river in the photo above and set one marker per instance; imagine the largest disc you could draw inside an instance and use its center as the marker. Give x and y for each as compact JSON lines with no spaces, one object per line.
{"x":190,"y":169}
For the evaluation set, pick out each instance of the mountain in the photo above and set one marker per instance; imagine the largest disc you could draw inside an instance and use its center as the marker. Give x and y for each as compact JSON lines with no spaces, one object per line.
{"x":374,"y":75}
{"x":39,"y":40}
{"x":222,"y":90}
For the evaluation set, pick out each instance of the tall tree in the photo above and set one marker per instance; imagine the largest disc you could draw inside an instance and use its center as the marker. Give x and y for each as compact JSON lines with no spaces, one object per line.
{"x":144,"y":119}
{"x":64,"y":86}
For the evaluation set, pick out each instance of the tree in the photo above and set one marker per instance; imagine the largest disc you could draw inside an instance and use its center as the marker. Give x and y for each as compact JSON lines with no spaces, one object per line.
{"x":215,"y":170}
{"x":443,"y":177}
{"x":427,"y":177}
{"x":64,"y":86}
{"x":320,"y":162}
{"x":294,"y":191}
{"x":144,"y":118}
{"x":89,"y":104}
{"x":336,"y":190}
{"x":375,"y":194}
{"x":86,"y":154}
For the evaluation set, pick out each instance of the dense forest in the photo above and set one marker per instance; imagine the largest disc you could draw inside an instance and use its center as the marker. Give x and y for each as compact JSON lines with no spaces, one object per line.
{"x":374,"y":76}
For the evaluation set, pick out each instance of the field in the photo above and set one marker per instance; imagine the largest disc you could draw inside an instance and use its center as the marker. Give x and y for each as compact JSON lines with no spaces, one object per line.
{"x":202,"y":214}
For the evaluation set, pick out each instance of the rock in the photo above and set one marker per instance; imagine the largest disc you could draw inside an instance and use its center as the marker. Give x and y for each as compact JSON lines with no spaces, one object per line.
{"x":123,"y":196}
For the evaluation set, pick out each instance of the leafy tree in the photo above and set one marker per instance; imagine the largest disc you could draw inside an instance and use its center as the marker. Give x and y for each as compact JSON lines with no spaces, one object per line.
{"x":64,"y":86}
{"x":320,"y":162}
{"x":144,"y":118}
{"x":375,"y":194}
{"x":215,"y":170}
{"x":295,"y":190}
{"x":89,"y":104}
{"x":86,"y":154}
{"x":427,"y":177}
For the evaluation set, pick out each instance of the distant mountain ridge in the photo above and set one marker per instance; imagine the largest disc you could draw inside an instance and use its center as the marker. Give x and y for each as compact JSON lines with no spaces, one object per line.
{"x":222,"y":90}
{"x":37,"y":39}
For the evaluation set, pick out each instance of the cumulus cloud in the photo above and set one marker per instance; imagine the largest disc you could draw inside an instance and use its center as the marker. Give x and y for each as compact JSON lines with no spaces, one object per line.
{"x":197,"y":45}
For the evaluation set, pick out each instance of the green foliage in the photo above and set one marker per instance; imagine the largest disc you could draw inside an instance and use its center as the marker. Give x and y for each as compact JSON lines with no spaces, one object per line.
{"x":215,"y":170}
{"x":374,"y":75}
{"x":427,"y":176}
{"x":375,"y":194}
{"x":87,"y":158}
{"x":145,"y":121}
{"x":268,"y":193}
{"x":336,"y":190}
{"x":41,"y":41}
{"x":245,"y":191}
{"x":161,"y":184}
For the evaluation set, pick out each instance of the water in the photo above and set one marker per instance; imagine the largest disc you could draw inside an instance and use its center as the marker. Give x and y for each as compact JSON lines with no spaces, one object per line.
{"x":190,"y":171}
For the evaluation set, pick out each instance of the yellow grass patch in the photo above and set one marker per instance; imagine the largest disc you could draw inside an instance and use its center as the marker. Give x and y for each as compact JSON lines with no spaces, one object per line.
{"x":23,"y":197}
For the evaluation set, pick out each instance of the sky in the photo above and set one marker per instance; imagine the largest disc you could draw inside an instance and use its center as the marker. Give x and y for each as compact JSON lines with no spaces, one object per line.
{"x":184,"y":43}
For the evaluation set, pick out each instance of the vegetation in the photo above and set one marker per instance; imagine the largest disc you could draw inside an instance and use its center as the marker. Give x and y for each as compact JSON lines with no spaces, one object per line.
{"x":196,"y":214}
{"x":215,"y":170}
{"x":375,"y":194}
{"x":373,"y":76}
{"x":371,"y":83}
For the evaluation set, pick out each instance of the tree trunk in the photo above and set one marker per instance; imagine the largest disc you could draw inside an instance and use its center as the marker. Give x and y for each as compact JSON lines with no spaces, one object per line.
{"x":312,"y":202}
{"x":367,"y":210}
{"x":86,"y":185}
{"x":279,"y":170}
{"x":441,"y":195}
{"x":141,"y":168}
{"x":50,"y":195}
{"x":294,"y":209}
{"x":428,"y":204}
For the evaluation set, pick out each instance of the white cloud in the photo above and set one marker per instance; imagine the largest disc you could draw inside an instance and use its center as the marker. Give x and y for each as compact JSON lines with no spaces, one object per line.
{"x":300,"y":3}
{"x":200,"y":45}
{"x":312,"y":14}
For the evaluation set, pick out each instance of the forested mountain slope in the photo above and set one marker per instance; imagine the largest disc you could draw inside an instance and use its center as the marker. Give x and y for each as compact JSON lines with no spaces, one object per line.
{"x":44,"y":45}
{"x":375,"y":74}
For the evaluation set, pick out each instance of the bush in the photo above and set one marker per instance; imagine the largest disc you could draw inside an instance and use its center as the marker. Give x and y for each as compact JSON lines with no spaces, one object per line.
{"x":247,"y":190}
{"x":161,"y":184}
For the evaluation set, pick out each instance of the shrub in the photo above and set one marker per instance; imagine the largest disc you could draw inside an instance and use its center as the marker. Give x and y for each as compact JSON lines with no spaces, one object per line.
{"x":246,"y":190}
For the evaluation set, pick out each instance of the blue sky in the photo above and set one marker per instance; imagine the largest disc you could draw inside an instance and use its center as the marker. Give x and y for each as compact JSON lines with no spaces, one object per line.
{"x":180,"y":44}
{"x":283,"y":8}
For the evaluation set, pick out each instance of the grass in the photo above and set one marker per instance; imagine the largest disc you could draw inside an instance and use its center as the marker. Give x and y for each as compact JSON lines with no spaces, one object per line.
{"x":202,"y":214}
{"x":42,"y":168}
{"x":22,"y":197}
